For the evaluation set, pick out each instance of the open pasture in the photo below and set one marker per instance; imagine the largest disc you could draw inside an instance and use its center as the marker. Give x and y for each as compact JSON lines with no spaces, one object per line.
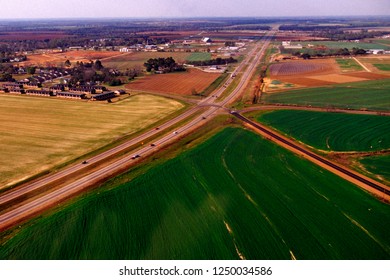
{"x":348,"y":64}
{"x":377,"y":63}
{"x":234,"y":196}
{"x":348,"y":45}
{"x":37,"y":134}
{"x":137,"y":59}
{"x":332,"y":132}
{"x":182,"y":83}
{"x":373,"y":95}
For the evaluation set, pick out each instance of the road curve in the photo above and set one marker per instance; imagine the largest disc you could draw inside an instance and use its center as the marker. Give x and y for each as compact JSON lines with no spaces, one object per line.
{"x":374,"y":187}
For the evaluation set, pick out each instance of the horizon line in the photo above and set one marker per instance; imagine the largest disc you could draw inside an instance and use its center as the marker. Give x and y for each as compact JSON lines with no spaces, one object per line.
{"x":195,"y":17}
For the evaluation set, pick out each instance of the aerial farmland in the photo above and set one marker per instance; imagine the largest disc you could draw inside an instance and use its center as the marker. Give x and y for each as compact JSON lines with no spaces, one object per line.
{"x":191,"y":155}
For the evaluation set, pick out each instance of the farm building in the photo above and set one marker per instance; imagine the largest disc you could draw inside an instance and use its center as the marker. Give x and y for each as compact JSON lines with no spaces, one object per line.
{"x":83,"y":89}
{"x":125,"y":50}
{"x":57,"y":87}
{"x":99,"y":89}
{"x":103,"y":96}
{"x":120,"y":92}
{"x":13,"y":85}
{"x":72,"y":95}
{"x":40,"y":92}
{"x":17,"y":90}
{"x":4,"y":89}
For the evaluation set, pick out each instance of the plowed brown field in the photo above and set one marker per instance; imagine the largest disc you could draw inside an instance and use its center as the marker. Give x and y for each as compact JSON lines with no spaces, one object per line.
{"x":317,"y":72}
{"x":73,"y":56}
{"x":177,"y":83}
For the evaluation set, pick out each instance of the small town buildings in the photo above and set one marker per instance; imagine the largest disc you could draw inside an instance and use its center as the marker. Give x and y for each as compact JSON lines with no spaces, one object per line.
{"x":40,"y":92}
{"x":103,"y":96}
{"x":120,"y":92}
{"x":71,"y":95}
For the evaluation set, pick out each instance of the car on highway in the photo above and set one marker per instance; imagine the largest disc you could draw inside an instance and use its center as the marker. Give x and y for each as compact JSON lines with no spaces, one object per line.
{"x":84,"y":162}
{"x":135,"y":156}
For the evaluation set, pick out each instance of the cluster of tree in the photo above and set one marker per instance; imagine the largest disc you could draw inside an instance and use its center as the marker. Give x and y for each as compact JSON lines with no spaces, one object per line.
{"x":230,"y":44}
{"x":8,"y":57}
{"x":309,"y":53}
{"x":163,"y":64}
{"x":95,"y":72}
{"x":249,"y":27}
{"x":338,"y":35}
{"x":217,"y":61}
{"x":307,"y":27}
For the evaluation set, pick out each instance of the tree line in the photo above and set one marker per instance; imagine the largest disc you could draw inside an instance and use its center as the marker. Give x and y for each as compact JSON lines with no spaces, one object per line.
{"x":217,"y":61}
{"x":165,"y":65}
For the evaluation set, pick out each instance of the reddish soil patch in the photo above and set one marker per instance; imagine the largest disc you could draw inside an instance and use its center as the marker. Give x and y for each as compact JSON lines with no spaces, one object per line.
{"x":176,"y":83}
{"x":293,"y":68}
{"x":73,"y":56}
{"x":368,"y":75}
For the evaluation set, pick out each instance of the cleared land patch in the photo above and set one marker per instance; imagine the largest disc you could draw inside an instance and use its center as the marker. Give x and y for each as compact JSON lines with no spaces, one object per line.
{"x":236,"y":195}
{"x":73,"y":56}
{"x":300,"y":67}
{"x":374,"y":95}
{"x":320,"y":72}
{"x":333,"y":132}
{"x":39,"y":133}
{"x":182,"y":83}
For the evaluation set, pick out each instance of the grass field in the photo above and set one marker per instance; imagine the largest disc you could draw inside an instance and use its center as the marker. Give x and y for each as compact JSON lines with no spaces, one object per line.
{"x":39,"y":133}
{"x":383,"y":67}
{"x":348,"y":45}
{"x":373,"y":95}
{"x":199,"y":56}
{"x":378,"y":165}
{"x":137,"y":59}
{"x":333,"y":132}
{"x":348,"y":64}
{"x":234,"y":196}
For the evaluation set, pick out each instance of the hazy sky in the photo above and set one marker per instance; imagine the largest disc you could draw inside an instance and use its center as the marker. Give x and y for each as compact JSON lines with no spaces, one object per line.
{"x":189,"y":8}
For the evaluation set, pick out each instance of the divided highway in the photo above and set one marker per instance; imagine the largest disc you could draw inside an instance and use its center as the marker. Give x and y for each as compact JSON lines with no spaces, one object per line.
{"x":37,"y":205}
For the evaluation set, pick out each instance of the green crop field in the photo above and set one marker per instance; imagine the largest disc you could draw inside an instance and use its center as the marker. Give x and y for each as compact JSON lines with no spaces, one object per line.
{"x":38,"y":133}
{"x":199,"y":56}
{"x":383,"y":67}
{"x":348,"y":64}
{"x":378,"y":165}
{"x":332,"y":132}
{"x":138,"y":59}
{"x":374,"y":95}
{"x":348,"y":45}
{"x":234,"y":196}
